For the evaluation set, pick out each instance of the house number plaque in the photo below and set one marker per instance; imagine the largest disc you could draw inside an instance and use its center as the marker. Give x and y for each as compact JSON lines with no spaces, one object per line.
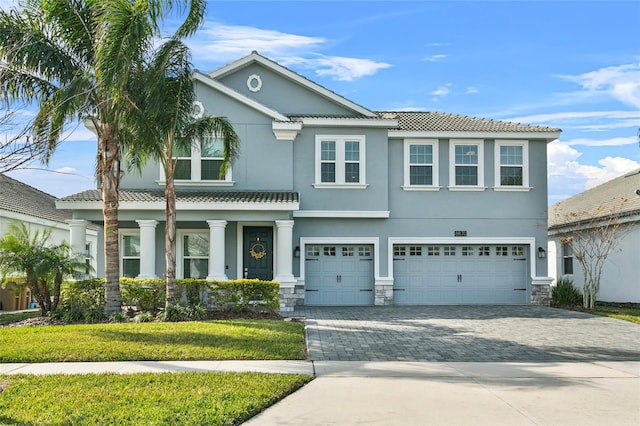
{"x":459,"y":233}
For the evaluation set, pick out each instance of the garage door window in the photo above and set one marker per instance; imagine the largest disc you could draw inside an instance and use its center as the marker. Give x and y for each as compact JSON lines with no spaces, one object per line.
{"x":348,"y":251}
{"x":449,"y":250}
{"x":502,"y":251}
{"x":364,"y":251}
{"x":467,"y":251}
{"x":399,"y":251}
{"x":433,"y":251}
{"x":313,"y":251}
{"x":484,"y":251}
{"x":415,"y":251}
{"x":517,"y":251}
{"x":329,"y":251}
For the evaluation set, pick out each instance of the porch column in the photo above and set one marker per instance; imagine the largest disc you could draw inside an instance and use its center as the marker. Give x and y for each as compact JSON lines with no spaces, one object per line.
{"x":147,"y":248}
{"x":284,"y":253}
{"x":217,"y":250}
{"x":78,"y":235}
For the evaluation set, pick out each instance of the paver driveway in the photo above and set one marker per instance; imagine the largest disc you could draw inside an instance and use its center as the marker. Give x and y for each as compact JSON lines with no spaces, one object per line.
{"x":466,"y":334}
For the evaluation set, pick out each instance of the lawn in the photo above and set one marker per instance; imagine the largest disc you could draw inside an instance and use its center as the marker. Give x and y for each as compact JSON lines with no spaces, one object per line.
{"x":621,"y":313}
{"x":145,"y":398}
{"x":9,"y":318}
{"x":202,"y":340}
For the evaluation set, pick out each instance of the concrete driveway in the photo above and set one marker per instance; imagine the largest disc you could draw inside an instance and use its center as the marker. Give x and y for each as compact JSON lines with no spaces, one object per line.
{"x":466,"y":334}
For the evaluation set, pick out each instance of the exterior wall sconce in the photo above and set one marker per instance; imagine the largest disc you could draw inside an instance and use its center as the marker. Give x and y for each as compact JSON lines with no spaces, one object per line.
{"x":542,"y":253}
{"x":296,"y":252}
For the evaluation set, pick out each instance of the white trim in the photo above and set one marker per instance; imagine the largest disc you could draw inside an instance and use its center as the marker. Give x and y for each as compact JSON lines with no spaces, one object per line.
{"x":375,"y":241}
{"x":531,"y":242}
{"x":179,"y":183}
{"x":258,"y":83}
{"x":180,"y":233}
{"x":512,"y":188}
{"x":358,"y":214}
{"x":340,"y":162}
{"x":207,"y":80}
{"x":524,"y":165}
{"x":62,"y":225}
{"x":348,"y":122}
{"x":452,"y":165}
{"x":546,"y":136}
{"x":434,"y":165}
{"x":286,"y":131}
{"x":277,"y":68}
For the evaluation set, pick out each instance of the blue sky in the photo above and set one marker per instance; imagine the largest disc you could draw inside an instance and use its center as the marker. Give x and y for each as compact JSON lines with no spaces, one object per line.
{"x":568,"y":64}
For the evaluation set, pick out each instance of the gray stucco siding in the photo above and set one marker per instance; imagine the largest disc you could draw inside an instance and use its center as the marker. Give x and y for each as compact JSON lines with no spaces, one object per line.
{"x":280,"y":93}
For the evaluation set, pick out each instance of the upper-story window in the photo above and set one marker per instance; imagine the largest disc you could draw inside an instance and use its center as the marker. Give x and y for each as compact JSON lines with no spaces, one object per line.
{"x":466,"y":171}
{"x":420,"y":164}
{"x":512,"y":165}
{"x":340,"y":162}
{"x":200,"y":163}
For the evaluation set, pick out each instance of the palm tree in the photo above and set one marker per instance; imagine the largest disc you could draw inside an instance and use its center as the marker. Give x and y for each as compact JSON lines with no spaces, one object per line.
{"x":168,"y":126}
{"x":75,"y":59}
{"x":43,"y":266}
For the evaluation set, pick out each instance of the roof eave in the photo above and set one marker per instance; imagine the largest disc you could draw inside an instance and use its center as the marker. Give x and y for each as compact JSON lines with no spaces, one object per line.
{"x":546,"y":136}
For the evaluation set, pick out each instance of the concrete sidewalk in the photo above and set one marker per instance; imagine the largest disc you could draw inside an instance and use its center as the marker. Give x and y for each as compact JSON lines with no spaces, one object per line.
{"x":422,"y":393}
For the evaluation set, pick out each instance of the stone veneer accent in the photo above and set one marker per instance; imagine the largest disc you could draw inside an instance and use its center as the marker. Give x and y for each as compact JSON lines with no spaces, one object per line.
{"x":383,"y":294}
{"x":290,"y":297}
{"x":541,"y":291}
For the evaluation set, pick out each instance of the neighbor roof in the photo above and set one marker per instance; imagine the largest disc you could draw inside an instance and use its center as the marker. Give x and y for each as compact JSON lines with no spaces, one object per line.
{"x":21,"y":198}
{"x":618,"y":195}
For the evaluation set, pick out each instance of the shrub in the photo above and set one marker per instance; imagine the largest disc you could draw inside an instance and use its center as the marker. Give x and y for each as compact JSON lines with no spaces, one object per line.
{"x":145,"y":295}
{"x":83,"y":294}
{"x":143,"y":317}
{"x":94,"y":315}
{"x":565,"y":293}
{"x":72,"y":315}
{"x":118,"y":317}
{"x":193,"y":290}
{"x":243,"y":295}
{"x":175,"y":313}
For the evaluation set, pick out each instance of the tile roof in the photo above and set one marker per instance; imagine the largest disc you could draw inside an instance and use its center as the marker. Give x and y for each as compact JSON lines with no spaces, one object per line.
{"x":132,"y":195}
{"x":618,"y":195}
{"x":21,"y":198}
{"x":438,"y":121}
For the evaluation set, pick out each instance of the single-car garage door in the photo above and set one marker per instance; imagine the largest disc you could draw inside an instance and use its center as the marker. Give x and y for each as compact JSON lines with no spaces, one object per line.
{"x":339,"y":275}
{"x":460,"y":274}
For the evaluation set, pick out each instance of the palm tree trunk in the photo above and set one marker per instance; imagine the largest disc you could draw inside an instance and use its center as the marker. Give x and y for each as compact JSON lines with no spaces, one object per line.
{"x":109,"y":153}
{"x":170,"y":240}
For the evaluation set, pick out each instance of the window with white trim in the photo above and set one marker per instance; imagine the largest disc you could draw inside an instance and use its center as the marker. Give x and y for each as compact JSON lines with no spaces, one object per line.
{"x":512,"y":165}
{"x":194,"y":254}
{"x":466,"y":171}
{"x":340,"y":162}
{"x":420,"y":164}
{"x":567,"y":258}
{"x":130,"y":254}
{"x":200,"y":162}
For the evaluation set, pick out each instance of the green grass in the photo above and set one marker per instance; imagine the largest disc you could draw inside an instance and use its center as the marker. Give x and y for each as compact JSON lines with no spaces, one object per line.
{"x":9,"y":318}
{"x":206,"y":340}
{"x":141,"y":399}
{"x":625,"y":314}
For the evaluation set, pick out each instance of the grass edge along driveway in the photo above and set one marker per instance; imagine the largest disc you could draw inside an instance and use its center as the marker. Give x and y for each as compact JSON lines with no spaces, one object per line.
{"x":197,"y":340}
{"x":185,"y":398}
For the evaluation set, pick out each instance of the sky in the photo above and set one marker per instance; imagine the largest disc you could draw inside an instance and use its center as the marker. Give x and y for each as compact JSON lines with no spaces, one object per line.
{"x":568,"y":64}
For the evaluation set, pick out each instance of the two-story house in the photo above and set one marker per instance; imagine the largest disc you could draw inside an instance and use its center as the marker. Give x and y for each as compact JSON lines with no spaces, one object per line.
{"x":344,"y":205}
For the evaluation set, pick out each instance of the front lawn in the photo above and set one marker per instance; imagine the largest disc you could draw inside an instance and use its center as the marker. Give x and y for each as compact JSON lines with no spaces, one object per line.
{"x":618,"y":312}
{"x":201,"y":340}
{"x":8,"y":318}
{"x":137,"y":399}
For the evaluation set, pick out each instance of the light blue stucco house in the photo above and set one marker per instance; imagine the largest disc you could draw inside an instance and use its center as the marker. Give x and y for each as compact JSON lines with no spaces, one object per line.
{"x":344,"y":205}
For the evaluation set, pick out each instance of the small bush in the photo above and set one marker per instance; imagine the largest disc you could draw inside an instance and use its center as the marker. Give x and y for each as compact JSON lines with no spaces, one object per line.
{"x":72,"y":315}
{"x":175,"y":313}
{"x":94,"y":315}
{"x":145,"y":295}
{"x":143,"y":317}
{"x":244,"y":295}
{"x":118,"y":317}
{"x":565,"y":294}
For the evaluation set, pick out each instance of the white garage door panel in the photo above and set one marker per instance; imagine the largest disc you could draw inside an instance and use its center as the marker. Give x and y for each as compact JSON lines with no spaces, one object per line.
{"x":473,"y":274}
{"x":339,"y":275}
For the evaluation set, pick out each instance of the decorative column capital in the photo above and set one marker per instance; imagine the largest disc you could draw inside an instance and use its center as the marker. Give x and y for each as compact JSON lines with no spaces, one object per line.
{"x":147,"y":223}
{"x":217,"y":223}
{"x":284,"y":223}
{"x":77,"y":222}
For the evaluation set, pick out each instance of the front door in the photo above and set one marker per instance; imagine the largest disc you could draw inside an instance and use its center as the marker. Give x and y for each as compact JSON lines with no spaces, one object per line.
{"x":258,"y":252}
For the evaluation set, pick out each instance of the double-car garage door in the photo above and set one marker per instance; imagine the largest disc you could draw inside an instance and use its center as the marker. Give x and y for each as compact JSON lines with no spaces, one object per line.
{"x":460,"y":274}
{"x":424,"y":274}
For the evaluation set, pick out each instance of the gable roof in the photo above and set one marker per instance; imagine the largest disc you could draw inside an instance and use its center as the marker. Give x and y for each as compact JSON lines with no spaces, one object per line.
{"x":255,"y":57}
{"x":21,"y":198}
{"x":619,"y":194}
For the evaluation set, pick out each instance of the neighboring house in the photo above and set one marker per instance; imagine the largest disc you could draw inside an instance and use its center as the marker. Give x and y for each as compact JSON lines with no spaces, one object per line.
{"x":344,"y":205}
{"x":37,"y":210}
{"x":619,"y":281}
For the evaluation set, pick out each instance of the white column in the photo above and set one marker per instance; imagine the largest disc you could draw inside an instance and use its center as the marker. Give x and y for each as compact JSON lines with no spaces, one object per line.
{"x":147,"y":248}
{"x":217,"y":250}
{"x":78,"y":234}
{"x":284,"y":253}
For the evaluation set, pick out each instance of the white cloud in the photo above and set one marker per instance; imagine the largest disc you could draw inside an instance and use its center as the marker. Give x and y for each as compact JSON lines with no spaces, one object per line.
{"x":337,"y":67}
{"x":472,"y":90}
{"x":603,"y":142}
{"x":576,"y":115}
{"x":435,"y":58}
{"x":568,"y":176}
{"x":620,"y":82}
{"x":443,"y":90}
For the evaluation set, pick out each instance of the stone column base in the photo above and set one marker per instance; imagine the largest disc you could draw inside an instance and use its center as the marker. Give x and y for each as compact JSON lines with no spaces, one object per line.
{"x":541,"y":291}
